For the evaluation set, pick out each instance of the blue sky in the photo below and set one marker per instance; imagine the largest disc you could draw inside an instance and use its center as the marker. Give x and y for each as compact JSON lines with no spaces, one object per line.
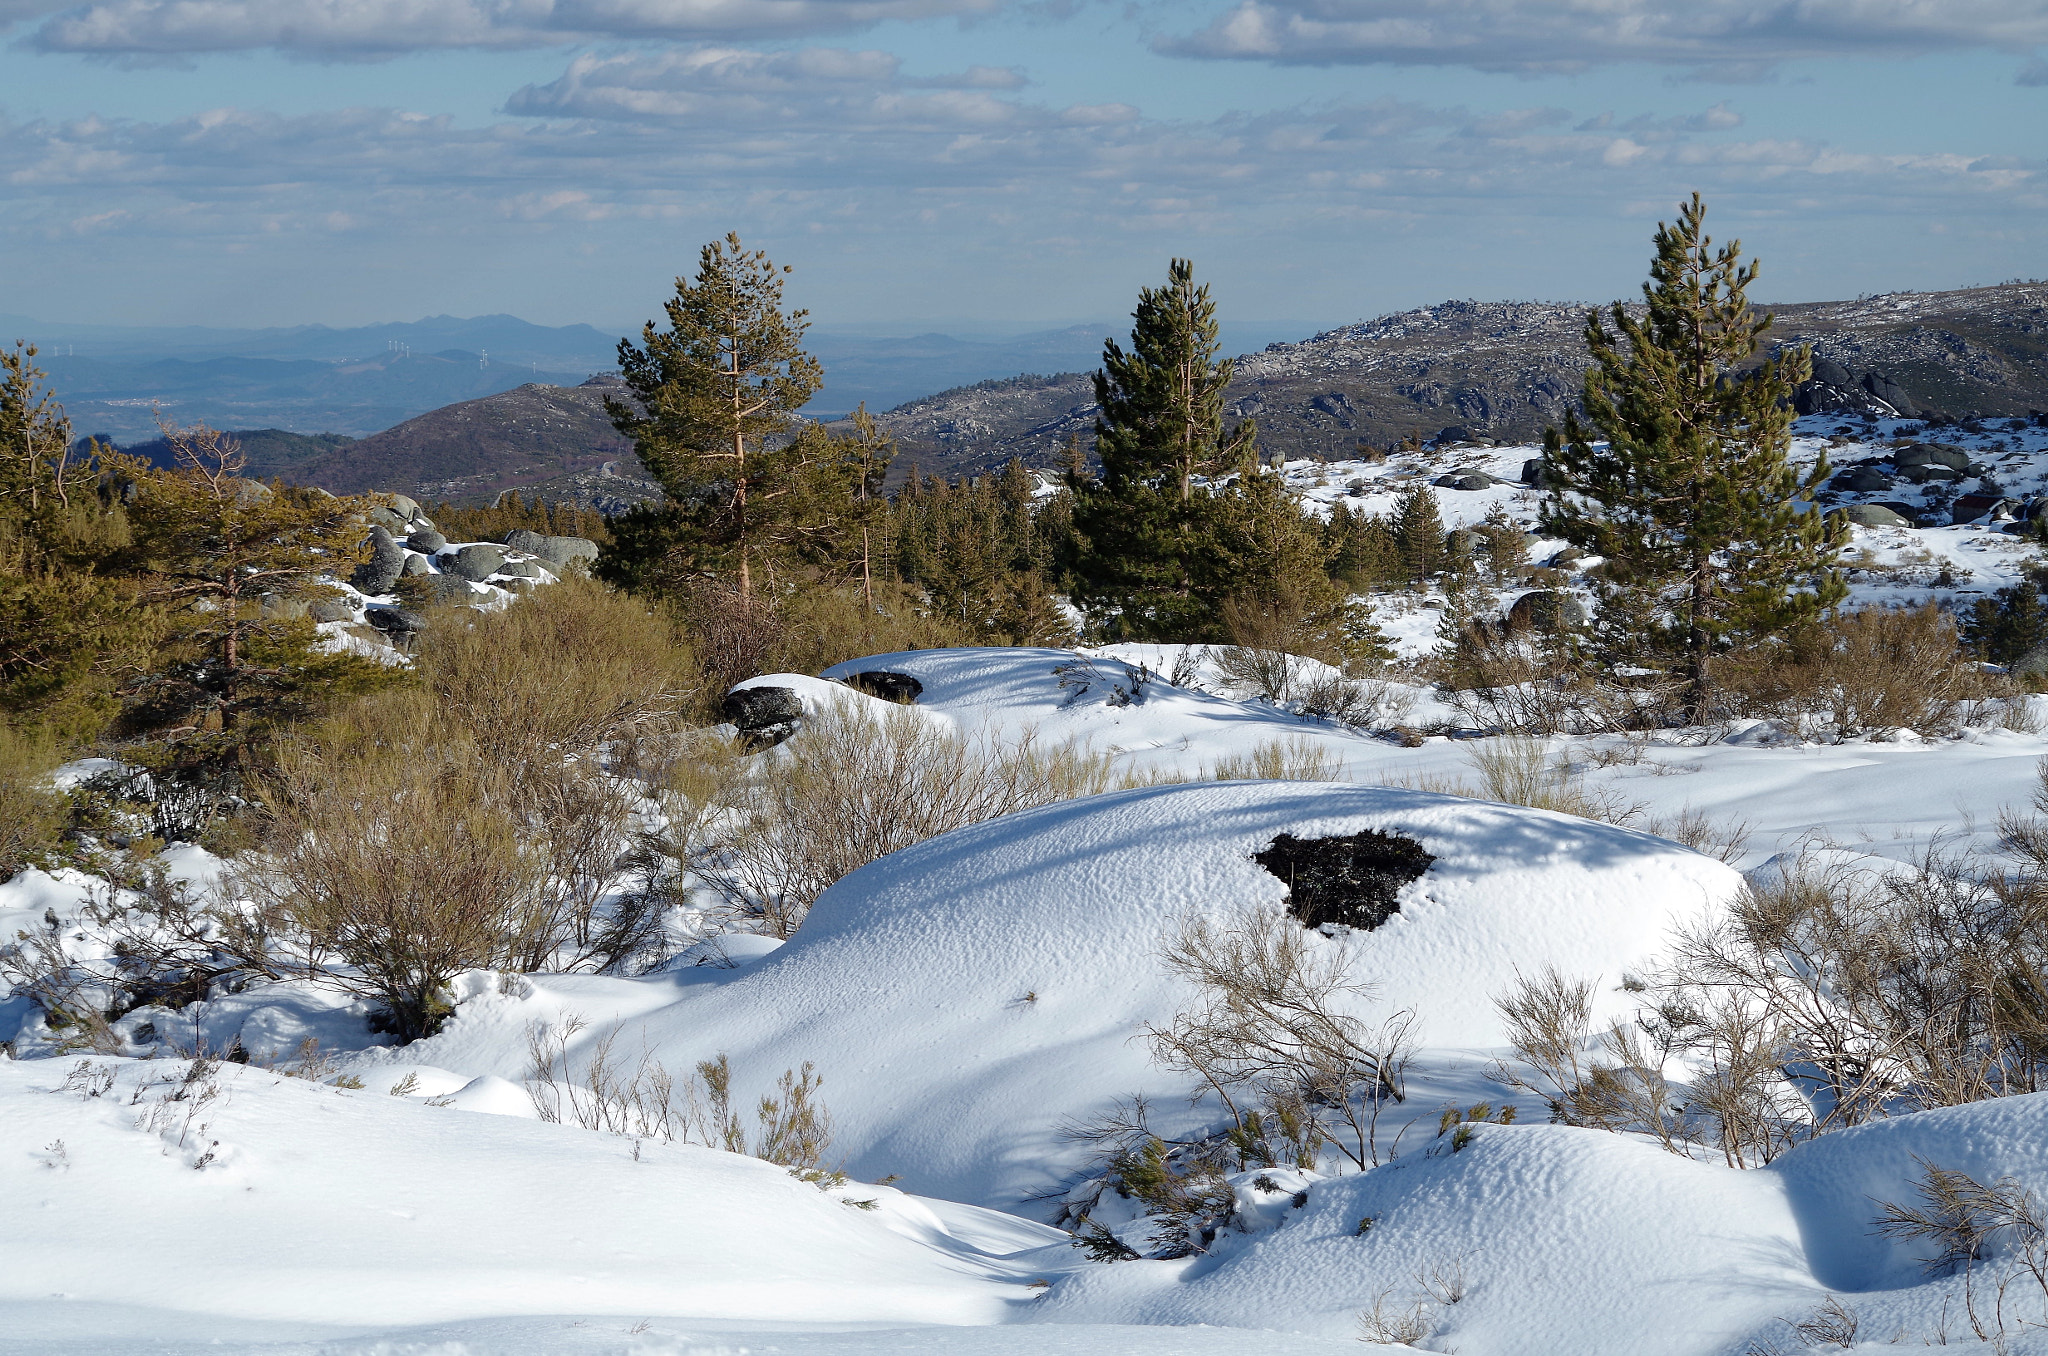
{"x":998,"y":164}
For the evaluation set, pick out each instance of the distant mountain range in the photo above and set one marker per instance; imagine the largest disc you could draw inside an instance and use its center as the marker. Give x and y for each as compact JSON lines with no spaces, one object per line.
{"x":1473,"y":370}
{"x":313,"y":379}
{"x":1504,"y":370}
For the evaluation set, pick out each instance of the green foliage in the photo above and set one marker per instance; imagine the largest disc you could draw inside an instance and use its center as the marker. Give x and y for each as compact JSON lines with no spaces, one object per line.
{"x":1153,"y":555}
{"x":69,"y":624}
{"x":31,"y":815}
{"x":1418,"y":530}
{"x":982,"y":555}
{"x":233,"y":562}
{"x":2010,"y":625}
{"x":1364,"y":552}
{"x":1162,"y":402}
{"x":1679,"y":473}
{"x":717,"y":395}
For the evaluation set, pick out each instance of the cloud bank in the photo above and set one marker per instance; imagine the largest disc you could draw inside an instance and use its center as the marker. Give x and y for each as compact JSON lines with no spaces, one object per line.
{"x":1731,"y":38}
{"x":358,"y":29}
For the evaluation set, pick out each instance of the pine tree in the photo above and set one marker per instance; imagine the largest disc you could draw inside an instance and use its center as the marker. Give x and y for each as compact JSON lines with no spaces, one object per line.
{"x":69,"y":619}
{"x":1141,"y":532}
{"x":232,"y":562}
{"x":1419,"y":533}
{"x":1679,"y":474}
{"x":716,"y":391}
{"x":1161,"y":417}
{"x":2010,"y":625}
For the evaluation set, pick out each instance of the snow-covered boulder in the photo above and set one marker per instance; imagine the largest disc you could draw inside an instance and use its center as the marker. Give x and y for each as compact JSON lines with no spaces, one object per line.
{"x":965,"y":997}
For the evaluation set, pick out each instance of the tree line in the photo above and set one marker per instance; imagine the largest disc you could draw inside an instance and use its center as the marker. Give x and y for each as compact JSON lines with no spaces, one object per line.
{"x":166,"y":606}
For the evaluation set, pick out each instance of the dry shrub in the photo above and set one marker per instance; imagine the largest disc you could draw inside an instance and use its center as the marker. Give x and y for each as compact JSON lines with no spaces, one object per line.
{"x":1924,"y":988}
{"x":1862,"y":672}
{"x":1827,"y":997}
{"x":853,"y":785}
{"x":1608,"y":1080}
{"x":1527,"y":682}
{"x":468,"y":821}
{"x":1275,"y":1035}
{"x":792,"y":1127}
{"x":1261,"y":671}
{"x":31,"y":814}
{"x":1280,"y":760}
{"x":1518,"y":770}
{"x":560,"y":672}
{"x":408,"y":868}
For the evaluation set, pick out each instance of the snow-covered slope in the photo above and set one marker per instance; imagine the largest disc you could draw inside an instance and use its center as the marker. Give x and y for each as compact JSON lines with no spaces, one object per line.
{"x":968,"y":997}
{"x":1567,"y":1240}
{"x":150,"y":1212}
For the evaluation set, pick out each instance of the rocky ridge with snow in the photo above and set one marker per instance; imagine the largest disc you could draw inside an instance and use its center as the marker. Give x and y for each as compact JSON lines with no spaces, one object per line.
{"x":1504,"y":370}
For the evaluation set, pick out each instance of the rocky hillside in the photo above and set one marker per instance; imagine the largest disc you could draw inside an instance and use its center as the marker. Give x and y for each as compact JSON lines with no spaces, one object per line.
{"x":555,"y":440}
{"x":1502,"y":370}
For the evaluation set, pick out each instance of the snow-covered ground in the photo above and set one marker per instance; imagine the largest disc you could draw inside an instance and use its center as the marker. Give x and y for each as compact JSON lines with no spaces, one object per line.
{"x":966,"y":1000}
{"x":1946,"y":560}
{"x":962,"y":1000}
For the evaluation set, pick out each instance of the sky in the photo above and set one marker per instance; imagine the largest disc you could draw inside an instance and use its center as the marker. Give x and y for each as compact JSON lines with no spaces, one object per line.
{"x":990,"y":166}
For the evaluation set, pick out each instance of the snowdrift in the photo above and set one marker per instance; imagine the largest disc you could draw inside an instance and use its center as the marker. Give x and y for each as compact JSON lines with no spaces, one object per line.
{"x":265,"y":1198}
{"x":1556,"y":1240}
{"x":967,"y":997}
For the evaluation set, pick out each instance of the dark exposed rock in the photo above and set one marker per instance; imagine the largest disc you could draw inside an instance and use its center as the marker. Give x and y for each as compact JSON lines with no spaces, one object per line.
{"x":1862,"y":479}
{"x":1464,"y":482}
{"x":395,"y":620}
{"x":427,"y":540}
{"x":1931,"y":454}
{"x":890,"y":687}
{"x":449,"y":588}
{"x":1351,"y":880}
{"x":1546,"y":608}
{"x":475,"y":563}
{"x":330,"y":610}
{"x":1872,"y":515}
{"x":381,"y":570}
{"x":764,"y":716}
{"x":557,"y":551}
{"x":1887,"y":389}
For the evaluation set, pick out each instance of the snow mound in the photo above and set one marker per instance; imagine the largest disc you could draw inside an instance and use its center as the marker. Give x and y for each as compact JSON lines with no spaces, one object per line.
{"x":1539,"y":1239}
{"x":967,"y":996}
{"x":296,"y":1201}
{"x":1540,"y":1227}
{"x":1096,"y":700}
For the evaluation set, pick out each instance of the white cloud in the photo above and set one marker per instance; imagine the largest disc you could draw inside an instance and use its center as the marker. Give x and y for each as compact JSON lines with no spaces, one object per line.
{"x":1732,"y":39}
{"x":354,"y":29}
{"x":823,"y":132}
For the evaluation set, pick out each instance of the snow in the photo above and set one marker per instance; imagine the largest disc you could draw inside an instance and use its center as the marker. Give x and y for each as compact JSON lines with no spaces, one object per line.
{"x":967,"y":998}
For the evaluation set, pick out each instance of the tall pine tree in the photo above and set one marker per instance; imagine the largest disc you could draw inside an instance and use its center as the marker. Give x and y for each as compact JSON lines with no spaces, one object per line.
{"x":1144,"y":530}
{"x":717,"y":396}
{"x":1679,"y":473}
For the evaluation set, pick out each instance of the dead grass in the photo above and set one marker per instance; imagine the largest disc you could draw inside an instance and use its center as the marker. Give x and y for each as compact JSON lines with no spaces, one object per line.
{"x":853,"y":786}
{"x":1861,"y":672}
{"x":31,"y":814}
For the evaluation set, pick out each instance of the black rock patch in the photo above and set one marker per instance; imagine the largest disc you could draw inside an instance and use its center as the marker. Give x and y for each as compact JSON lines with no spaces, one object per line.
{"x":1350,"y":879}
{"x":900,"y":688}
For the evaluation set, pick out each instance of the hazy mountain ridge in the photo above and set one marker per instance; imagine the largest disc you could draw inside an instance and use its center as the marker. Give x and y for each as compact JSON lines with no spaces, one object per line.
{"x":475,"y":450}
{"x":1502,"y":370}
